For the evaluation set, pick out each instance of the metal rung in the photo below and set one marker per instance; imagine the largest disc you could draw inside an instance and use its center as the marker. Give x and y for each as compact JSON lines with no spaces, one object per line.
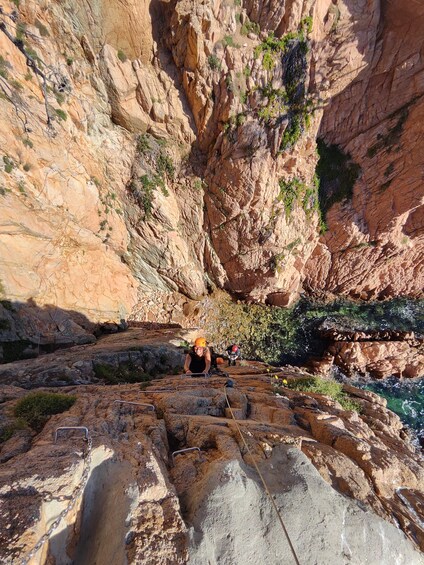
{"x":66,"y":428}
{"x":184,"y":451}
{"x":135,"y":404}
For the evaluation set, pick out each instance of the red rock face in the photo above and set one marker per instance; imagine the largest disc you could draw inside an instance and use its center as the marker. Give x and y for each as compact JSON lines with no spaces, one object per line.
{"x":367,"y":92}
{"x":241,"y":209}
{"x":374,"y":246}
{"x":379,"y":359}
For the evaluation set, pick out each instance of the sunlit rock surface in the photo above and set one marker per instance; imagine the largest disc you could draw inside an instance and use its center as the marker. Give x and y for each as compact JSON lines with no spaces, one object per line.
{"x":94,"y":220}
{"x":162,"y":508}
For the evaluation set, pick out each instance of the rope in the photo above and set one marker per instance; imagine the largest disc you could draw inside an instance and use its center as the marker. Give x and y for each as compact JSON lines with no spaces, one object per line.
{"x":263,"y":482}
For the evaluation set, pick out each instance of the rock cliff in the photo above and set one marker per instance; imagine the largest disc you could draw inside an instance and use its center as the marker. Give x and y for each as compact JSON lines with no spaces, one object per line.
{"x":341,"y":481}
{"x":173,"y":148}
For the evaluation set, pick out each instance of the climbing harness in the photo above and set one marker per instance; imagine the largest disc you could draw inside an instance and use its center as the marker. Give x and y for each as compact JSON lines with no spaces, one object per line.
{"x":74,"y":497}
{"x":263,"y":481}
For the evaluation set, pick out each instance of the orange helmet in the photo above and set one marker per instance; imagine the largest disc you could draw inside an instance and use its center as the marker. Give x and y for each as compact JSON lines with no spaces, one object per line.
{"x":200,"y":342}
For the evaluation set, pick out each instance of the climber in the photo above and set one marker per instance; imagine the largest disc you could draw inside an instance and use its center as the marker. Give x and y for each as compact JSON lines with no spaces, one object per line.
{"x":233,"y":353}
{"x":198,"y":359}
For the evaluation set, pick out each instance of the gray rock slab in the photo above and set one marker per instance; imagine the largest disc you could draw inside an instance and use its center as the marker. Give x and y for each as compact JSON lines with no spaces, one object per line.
{"x":232,"y":521}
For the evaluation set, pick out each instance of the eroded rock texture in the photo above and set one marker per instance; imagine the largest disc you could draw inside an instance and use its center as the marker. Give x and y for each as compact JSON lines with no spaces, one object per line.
{"x":143,"y":505}
{"x":374,"y":245}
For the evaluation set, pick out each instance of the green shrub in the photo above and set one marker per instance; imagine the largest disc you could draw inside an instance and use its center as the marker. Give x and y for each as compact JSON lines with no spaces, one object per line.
{"x":165,"y":165}
{"x":121,"y":56}
{"x":325,"y":387}
{"x":229,"y":83}
{"x":306,"y":24}
{"x":8,"y":431}
{"x":63,"y":116}
{"x":276,"y":103}
{"x":316,"y":385}
{"x":144,"y":186}
{"x":250,"y":27}
{"x":275,"y":45}
{"x":28,"y":143}
{"x":60,"y":98}
{"x":124,"y":373}
{"x":31,"y":52}
{"x":16,"y":84}
{"x":290,"y":192}
{"x":9,"y":164}
{"x":229,"y":41}
{"x":198,"y":184}
{"x":292,"y":133}
{"x":20,"y":31}
{"x":145,"y":196}
{"x":4,"y":67}
{"x":214,"y":62}
{"x":35,"y":408}
{"x":143,"y":145}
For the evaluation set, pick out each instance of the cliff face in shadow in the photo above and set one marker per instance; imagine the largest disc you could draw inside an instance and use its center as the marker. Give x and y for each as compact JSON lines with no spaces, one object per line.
{"x":373,"y":248}
{"x":173,"y":148}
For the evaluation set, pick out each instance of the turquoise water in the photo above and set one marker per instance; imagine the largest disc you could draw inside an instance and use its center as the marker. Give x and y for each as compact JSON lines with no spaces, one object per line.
{"x":406,"y":399}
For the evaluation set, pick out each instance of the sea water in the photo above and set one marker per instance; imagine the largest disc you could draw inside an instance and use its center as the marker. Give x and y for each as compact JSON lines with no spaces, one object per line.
{"x":405,"y":398}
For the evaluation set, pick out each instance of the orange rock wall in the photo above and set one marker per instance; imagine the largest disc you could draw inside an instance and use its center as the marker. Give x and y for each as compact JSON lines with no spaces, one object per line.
{"x":73,"y":236}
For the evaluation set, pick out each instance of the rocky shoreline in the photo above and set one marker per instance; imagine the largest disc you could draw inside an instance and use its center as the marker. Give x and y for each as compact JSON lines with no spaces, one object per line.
{"x":377,"y":354}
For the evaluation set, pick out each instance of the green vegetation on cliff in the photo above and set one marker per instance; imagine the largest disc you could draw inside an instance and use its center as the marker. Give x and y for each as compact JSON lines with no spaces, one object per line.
{"x":35,"y":408}
{"x":291,"y":335}
{"x":156,"y":165}
{"x":289,"y":103}
{"x":294,"y":191}
{"x":327,"y":387}
{"x":124,"y":373}
{"x":337,"y":174}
